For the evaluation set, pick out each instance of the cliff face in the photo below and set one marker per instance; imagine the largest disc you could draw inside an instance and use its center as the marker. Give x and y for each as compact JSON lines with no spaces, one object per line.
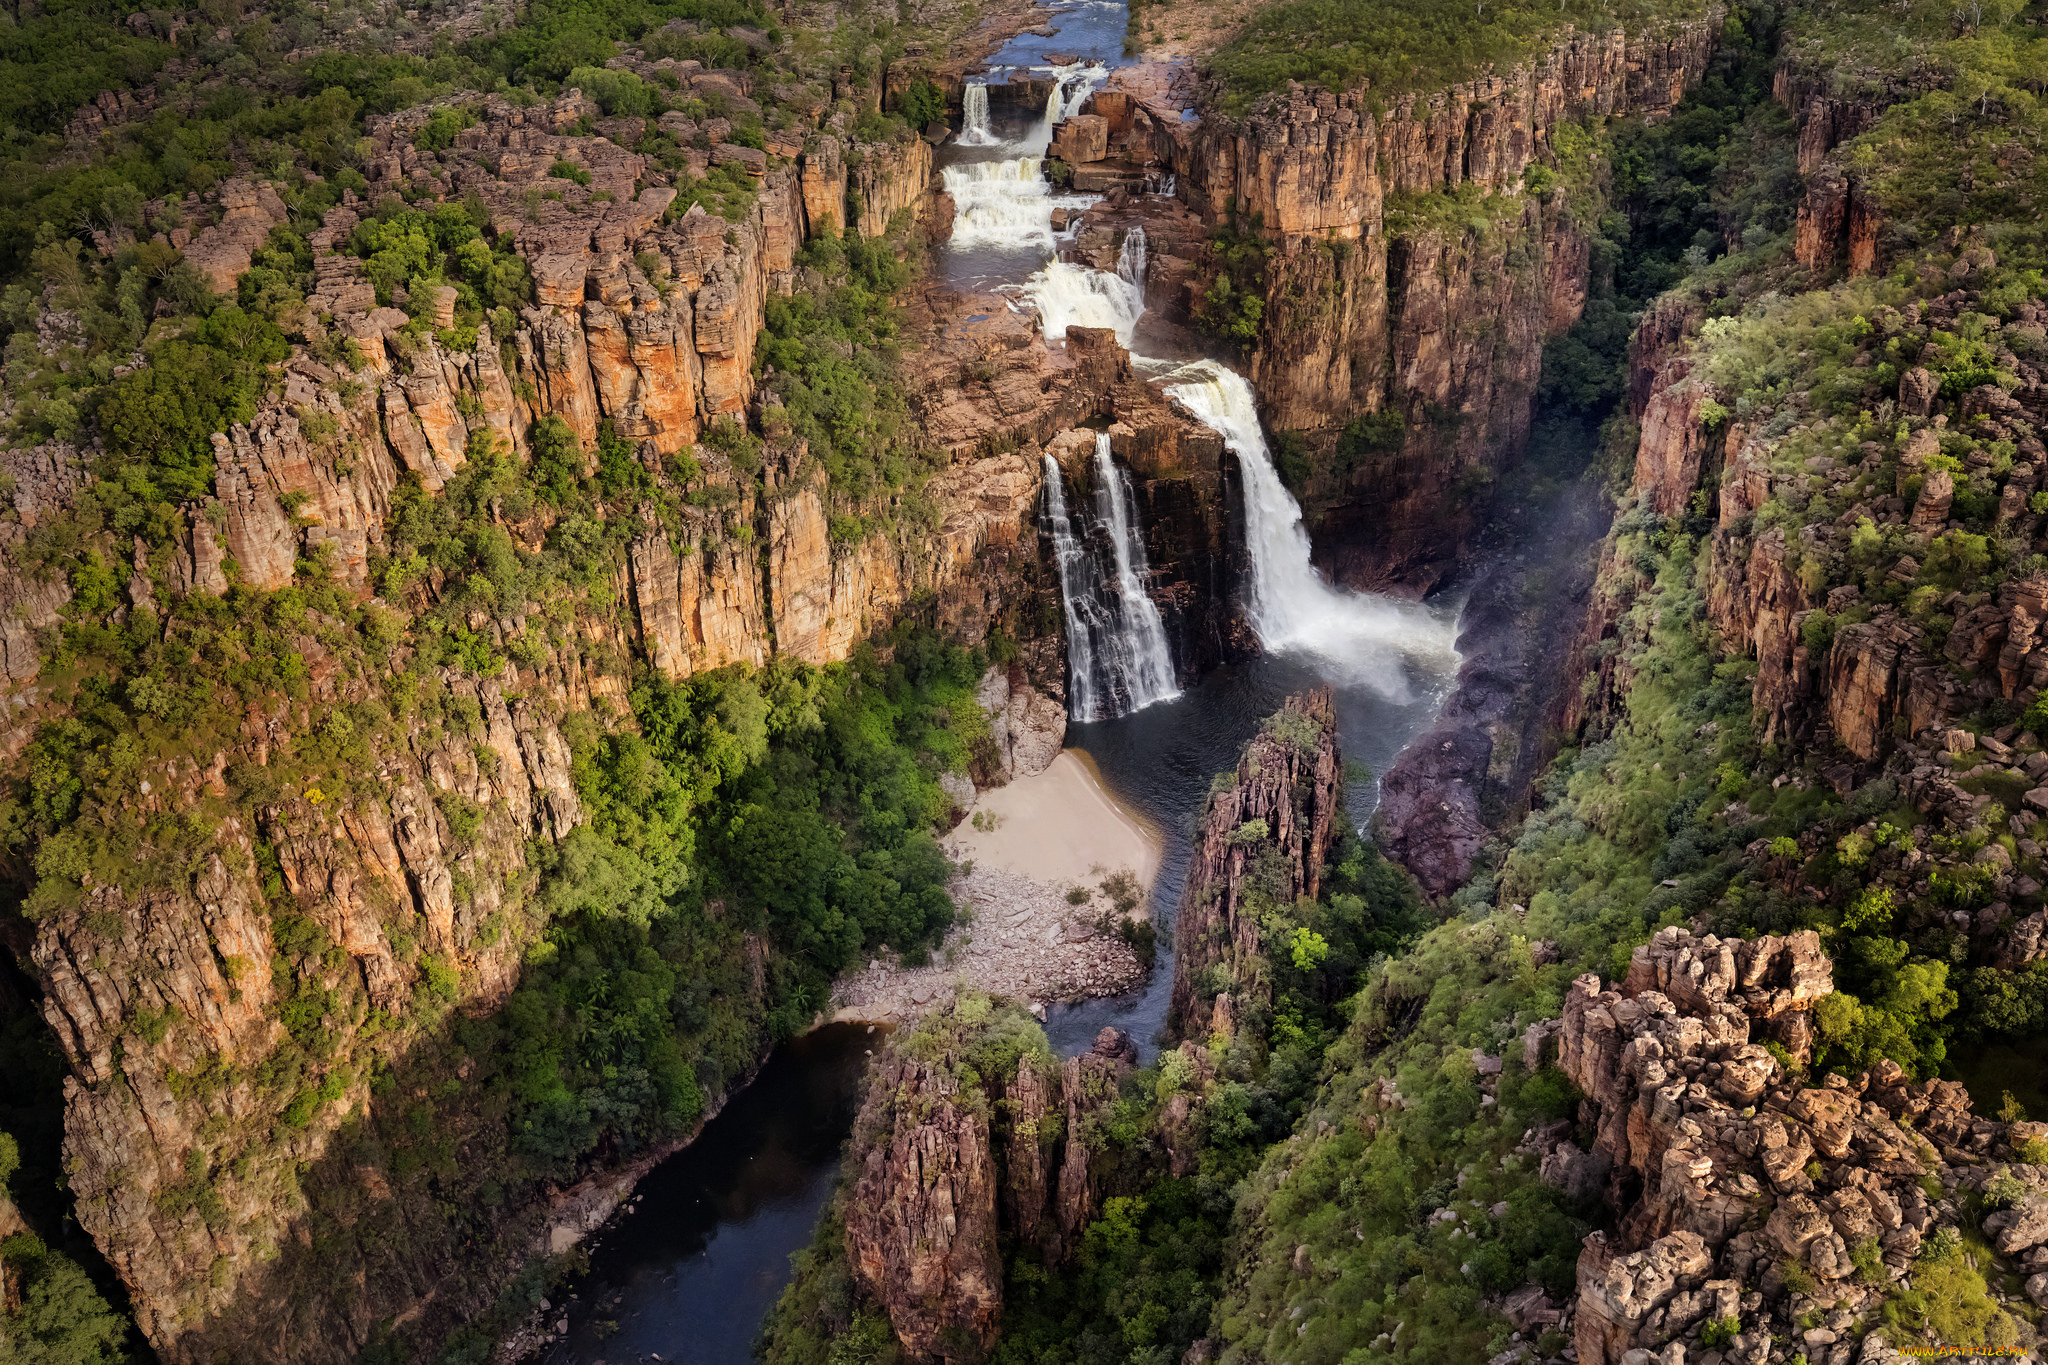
{"x":244,"y":1230}
{"x":921,"y":1225}
{"x":1745,"y":1198}
{"x":1375,"y":301}
{"x":1265,"y":835}
{"x":948,"y":1159}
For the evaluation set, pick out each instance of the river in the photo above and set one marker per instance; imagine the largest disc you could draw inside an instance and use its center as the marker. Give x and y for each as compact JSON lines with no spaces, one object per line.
{"x":692,"y":1273}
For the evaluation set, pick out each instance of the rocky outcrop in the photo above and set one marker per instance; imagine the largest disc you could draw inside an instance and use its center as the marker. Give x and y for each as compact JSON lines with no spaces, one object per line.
{"x":1028,"y":727}
{"x":220,"y":252}
{"x":1746,"y":1197}
{"x":948,"y":1158}
{"x":872,"y":182}
{"x":1278,"y":818}
{"x":921,"y":1223}
{"x":1090,"y":1084}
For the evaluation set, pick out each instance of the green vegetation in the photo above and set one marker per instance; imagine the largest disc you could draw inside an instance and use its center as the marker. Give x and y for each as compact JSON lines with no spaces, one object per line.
{"x":1392,"y":49}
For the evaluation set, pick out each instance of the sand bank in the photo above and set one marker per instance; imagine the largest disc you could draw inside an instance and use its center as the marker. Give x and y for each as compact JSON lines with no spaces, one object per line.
{"x":1062,"y":826}
{"x":1041,"y":838}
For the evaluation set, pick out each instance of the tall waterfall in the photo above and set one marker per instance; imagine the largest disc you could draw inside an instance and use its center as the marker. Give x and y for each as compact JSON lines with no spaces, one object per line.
{"x":974,"y":123}
{"x":1368,"y":637}
{"x":1116,"y":639}
{"x":1148,"y":674}
{"x":1077,"y":595}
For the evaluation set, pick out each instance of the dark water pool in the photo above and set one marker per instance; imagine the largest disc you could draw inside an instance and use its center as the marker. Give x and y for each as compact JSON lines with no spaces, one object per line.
{"x":1161,"y":761}
{"x":691,"y":1275}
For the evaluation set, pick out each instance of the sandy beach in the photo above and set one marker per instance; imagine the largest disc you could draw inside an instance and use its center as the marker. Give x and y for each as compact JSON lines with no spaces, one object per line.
{"x":1040,"y":839}
{"x":1061,"y":827}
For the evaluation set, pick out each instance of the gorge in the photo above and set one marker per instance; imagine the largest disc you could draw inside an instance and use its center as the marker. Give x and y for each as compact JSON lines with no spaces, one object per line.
{"x":549,"y":548}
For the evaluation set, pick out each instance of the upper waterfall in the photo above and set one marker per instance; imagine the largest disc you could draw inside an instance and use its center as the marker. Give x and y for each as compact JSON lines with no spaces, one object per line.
{"x":1368,"y":637}
{"x":974,"y":121}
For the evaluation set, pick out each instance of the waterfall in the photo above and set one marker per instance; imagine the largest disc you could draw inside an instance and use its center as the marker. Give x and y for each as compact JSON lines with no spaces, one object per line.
{"x":1130,"y":260}
{"x":1070,"y":295}
{"x":1116,"y":641}
{"x":974,"y":124}
{"x":1368,"y":637}
{"x":1070,"y":86}
{"x":1000,"y":204}
{"x":1145,"y":661}
{"x":1077,"y":593}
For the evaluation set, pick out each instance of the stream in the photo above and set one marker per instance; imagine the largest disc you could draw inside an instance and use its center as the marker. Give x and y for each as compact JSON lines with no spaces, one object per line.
{"x":690,"y":1275}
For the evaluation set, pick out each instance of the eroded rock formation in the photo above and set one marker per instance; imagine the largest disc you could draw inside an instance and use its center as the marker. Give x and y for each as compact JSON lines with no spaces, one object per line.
{"x":921,"y":1224}
{"x":945,"y":1164}
{"x":1746,"y":1196}
{"x":1266,"y":834}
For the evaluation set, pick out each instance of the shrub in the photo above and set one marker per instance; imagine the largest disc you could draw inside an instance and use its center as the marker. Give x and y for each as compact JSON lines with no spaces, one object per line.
{"x":922,"y":103}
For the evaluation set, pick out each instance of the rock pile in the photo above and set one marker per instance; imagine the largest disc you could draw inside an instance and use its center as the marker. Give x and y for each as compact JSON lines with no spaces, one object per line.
{"x":1757,"y":1207}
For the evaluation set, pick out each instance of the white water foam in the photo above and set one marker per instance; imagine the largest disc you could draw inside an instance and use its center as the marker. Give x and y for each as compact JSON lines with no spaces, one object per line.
{"x":1141,"y":654}
{"x":1005,"y":204}
{"x":1070,"y":295}
{"x":974,"y":120}
{"x":1364,"y":637}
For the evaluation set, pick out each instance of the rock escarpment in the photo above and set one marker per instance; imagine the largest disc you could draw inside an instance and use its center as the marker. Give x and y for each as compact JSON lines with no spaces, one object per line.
{"x":1263,"y":836}
{"x":948,"y":1158}
{"x":1751,"y":1202}
{"x":921,"y":1224}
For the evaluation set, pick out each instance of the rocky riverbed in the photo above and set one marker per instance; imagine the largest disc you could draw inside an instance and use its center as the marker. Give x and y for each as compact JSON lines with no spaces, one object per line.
{"x":1018,"y":937}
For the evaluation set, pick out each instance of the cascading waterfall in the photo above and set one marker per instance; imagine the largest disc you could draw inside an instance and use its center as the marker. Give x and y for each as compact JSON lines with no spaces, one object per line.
{"x":1130,"y":259}
{"x":1005,"y":204}
{"x":1070,"y":295}
{"x":1077,"y":595}
{"x":975,"y":130}
{"x":1146,"y":662}
{"x":1116,"y":640}
{"x":1070,"y":86}
{"x":1367,"y":637}
{"x":1117,"y":648}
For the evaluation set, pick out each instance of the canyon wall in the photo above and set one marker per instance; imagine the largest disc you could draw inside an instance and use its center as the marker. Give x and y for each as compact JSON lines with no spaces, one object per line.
{"x":234,"y":1214}
{"x":1407,"y":269}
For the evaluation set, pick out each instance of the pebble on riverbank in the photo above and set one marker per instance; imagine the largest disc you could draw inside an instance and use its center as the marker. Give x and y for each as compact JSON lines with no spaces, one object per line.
{"x":1018,"y":937}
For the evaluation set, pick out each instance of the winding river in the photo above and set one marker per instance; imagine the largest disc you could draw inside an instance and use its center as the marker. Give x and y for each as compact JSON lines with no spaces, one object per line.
{"x":692,"y":1271}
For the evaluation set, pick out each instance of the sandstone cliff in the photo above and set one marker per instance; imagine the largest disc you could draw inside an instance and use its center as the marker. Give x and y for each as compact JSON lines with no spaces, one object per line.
{"x":1262,"y":838}
{"x":1387,"y":291}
